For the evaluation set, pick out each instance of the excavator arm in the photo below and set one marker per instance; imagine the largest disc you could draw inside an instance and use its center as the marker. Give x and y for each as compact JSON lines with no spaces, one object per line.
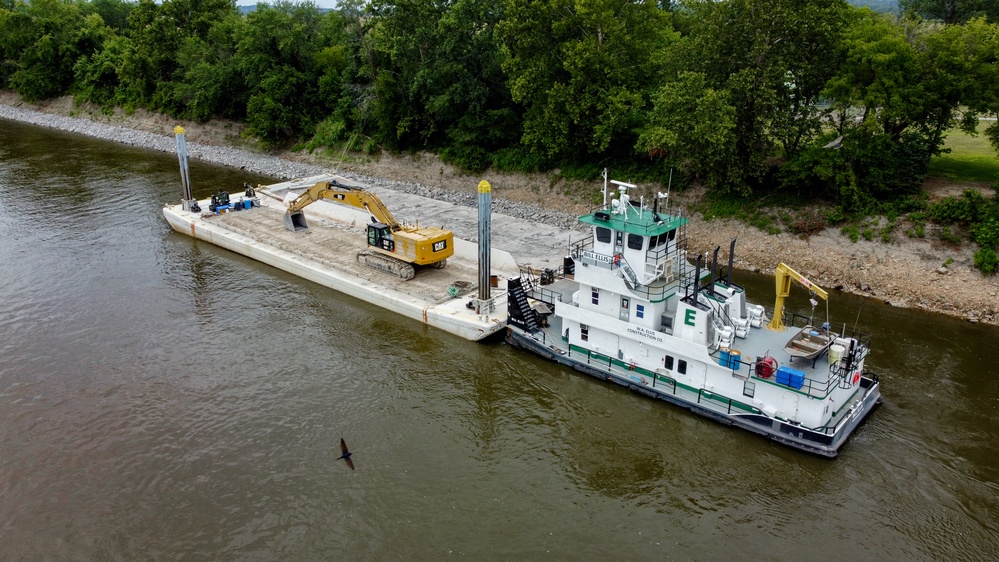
{"x":353,"y":196}
{"x":784,"y":275}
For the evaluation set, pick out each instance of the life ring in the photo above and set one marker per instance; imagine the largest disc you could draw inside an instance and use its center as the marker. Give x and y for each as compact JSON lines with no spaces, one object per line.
{"x":856,"y":377}
{"x":617,"y":259}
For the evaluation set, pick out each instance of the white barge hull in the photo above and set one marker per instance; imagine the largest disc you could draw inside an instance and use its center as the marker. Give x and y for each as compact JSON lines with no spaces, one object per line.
{"x":257,"y":233}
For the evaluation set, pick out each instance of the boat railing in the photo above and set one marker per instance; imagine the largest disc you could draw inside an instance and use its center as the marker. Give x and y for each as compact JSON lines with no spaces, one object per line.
{"x":577,"y":248}
{"x":534,"y":281}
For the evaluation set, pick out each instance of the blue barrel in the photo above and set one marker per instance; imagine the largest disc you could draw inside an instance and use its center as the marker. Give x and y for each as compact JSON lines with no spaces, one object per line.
{"x":724,"y":357}
{"x":735,"y":360}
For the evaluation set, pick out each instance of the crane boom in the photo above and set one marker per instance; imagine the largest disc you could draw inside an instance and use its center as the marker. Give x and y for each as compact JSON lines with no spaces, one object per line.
{"x":783,"y":276}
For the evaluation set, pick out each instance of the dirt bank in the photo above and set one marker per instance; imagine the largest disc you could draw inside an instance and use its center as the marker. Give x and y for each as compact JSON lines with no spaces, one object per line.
{"x":907,"y":272}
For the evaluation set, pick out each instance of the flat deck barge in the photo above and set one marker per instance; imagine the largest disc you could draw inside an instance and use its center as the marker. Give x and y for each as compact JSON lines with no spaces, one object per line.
{"x":326,"y":252}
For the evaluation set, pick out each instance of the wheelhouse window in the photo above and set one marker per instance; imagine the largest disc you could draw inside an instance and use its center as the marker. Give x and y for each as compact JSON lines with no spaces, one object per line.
{"x":603,"y":235}
{"x":640,"y":310}
{"x":584,"y":332}
{"x":595,"y":296}
{"x":635,"y":241}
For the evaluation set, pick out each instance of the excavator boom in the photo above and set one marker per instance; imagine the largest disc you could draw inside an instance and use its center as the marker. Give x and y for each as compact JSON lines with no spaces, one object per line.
{"x":348,"y":195}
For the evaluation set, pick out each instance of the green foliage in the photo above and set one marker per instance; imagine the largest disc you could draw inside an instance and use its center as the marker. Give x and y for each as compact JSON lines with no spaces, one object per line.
{"x":695,"y":125}
{"x":951,"y":11}
{"x":114,"y":13}
{"x":771,"y":69}
{"x":987,"y":261}
{"x":729,"y":94}
{"x":918,"y":228}
{"x":581,"y":70}
{"x":852,"y":232}
{"x":41,"y":42}
{"x":970,"y":208}
{"x":438,"y":82}
{"x":946,"y":234}
{"x":97,"y":76}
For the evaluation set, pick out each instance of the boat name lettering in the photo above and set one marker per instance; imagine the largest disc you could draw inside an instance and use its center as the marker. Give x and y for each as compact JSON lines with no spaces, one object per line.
{"x":587,"y":254}
{"x":645,"y":332}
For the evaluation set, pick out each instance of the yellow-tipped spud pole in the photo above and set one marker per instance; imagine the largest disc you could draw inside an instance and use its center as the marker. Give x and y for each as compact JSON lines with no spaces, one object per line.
{"x":485,"y":204}
{"x":185,"y":175}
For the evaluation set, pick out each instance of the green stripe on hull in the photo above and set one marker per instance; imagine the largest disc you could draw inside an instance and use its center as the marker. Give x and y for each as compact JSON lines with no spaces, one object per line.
{"x":600,"y":358}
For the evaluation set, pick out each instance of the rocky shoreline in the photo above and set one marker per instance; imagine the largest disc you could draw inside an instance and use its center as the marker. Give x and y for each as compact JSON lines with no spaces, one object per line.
{"x":906,"y":273}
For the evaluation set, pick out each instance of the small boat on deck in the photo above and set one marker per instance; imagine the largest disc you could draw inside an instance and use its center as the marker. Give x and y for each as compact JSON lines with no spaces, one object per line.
{"x":809,"y":343}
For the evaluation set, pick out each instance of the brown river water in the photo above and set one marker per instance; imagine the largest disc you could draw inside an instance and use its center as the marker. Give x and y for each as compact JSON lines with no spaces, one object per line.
{"x":161,"y":398}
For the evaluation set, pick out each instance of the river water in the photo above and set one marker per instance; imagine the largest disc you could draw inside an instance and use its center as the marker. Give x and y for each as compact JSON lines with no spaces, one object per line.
{"x":161,"y":398}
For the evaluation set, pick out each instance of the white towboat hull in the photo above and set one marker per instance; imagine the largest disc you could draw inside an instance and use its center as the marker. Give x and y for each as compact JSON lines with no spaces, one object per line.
{"x":826,"y":444}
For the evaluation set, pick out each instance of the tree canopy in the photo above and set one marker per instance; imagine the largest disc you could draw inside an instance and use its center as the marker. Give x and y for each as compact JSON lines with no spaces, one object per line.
{"x":746,"y":96}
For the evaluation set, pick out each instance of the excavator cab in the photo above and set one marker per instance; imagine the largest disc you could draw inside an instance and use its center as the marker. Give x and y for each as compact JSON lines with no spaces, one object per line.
{"x":380,"y":236}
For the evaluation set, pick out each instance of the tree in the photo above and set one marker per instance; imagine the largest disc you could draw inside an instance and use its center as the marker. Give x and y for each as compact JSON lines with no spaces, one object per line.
{"x":951,"y":11}
{"x":899,"y":91}
{"x":277,"y":58}
{"x":583,"y":71}
{"x":212,"y":84}
{"x":437,"y":79}
{"x":41,"y":42}
{"x":150,"y":73}
{"x":694,"y":125}
{"x":771,"y":60}
{"x":979,"y":44}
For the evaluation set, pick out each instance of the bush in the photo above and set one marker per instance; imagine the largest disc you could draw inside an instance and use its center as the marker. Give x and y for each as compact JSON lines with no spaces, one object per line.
{"x":966,"y":209}
{"x":987,"y":261}
{"x":851,"y":232}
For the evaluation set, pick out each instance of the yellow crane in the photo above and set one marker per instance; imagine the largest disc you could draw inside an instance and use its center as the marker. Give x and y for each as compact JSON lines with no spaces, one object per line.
{"x":392,"y":247}
{"x":784,"y":275}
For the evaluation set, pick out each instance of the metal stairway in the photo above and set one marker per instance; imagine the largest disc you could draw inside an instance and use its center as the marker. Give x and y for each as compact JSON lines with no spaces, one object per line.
{"x":519,"y":311}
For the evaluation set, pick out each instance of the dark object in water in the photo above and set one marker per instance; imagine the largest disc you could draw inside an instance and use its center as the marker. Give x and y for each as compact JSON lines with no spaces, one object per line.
{"x":345,"y":454}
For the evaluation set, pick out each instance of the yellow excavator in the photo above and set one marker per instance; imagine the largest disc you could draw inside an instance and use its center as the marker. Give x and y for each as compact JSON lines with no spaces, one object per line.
{"x":392,"y":247}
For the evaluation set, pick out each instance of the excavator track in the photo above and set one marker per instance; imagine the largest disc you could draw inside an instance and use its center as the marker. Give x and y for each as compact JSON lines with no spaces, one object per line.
{"x":374,"y":260}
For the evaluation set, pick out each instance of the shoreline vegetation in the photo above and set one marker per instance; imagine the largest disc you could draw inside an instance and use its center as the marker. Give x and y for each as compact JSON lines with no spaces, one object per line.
{"x":915,"y":272}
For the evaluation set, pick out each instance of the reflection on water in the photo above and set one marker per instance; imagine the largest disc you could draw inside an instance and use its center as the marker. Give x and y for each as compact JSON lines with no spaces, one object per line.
{"x":163,"y":398}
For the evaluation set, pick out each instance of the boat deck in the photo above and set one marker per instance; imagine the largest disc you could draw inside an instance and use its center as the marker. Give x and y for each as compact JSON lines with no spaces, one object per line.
{"x":760,"y":341}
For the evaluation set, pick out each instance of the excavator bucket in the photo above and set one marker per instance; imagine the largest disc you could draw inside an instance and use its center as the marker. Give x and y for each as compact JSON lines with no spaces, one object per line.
{"x":295,"y":221}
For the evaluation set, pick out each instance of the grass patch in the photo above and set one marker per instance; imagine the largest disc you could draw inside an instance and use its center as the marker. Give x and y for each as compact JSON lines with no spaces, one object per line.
{"x":971,"y":158}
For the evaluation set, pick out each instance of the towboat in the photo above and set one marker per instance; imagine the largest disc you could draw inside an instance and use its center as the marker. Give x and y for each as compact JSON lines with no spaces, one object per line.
{"x":627,"y":305}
